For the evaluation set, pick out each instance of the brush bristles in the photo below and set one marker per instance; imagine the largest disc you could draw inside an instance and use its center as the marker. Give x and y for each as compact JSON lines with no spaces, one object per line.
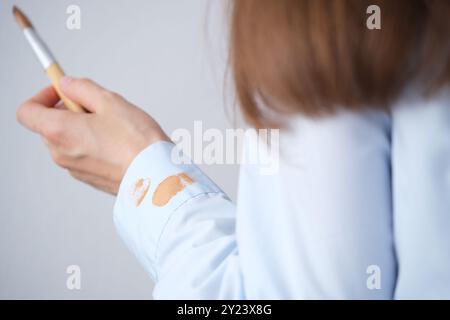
{"x":21,"y":19}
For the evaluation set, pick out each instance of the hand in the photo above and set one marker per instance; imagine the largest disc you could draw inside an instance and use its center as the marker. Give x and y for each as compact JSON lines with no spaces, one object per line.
{"x":95,"y":147}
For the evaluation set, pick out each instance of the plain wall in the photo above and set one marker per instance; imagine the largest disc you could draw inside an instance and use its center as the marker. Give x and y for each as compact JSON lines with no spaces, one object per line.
{"x":168,"y":57}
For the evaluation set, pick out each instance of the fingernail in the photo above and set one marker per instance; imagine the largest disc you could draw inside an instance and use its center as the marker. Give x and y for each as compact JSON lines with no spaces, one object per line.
{"x":66,"y":80}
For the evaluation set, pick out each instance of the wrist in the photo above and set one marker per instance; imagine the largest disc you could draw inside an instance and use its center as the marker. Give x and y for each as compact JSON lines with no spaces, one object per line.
{"x":153,"y":138}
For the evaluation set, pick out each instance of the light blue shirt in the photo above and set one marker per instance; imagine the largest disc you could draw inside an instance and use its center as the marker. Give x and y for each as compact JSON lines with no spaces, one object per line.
{"x":359,"y":208}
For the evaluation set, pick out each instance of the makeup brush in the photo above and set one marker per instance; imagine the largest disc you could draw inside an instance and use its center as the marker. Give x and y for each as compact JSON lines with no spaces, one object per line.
{"x":51,"y":67}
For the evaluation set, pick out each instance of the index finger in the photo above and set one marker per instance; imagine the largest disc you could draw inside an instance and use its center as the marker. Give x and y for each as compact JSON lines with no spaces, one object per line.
{"x":46,"y":97}
{"x":35,"y":111}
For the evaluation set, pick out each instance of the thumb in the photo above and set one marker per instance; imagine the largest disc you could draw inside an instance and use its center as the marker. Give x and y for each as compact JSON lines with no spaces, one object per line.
{"x":85,"y":92}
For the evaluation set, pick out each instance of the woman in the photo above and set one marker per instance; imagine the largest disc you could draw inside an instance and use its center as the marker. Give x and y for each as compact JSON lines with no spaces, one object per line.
{"x":360,"y":204}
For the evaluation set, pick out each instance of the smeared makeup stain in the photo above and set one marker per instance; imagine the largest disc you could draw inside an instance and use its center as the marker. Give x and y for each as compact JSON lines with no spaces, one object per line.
{"x":169,"y":187}
{"x":140,"y":189}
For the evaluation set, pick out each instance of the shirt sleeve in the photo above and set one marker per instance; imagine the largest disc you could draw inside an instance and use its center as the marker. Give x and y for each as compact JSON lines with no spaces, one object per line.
{"x":421,"y":180}
{"x":172,"y":217}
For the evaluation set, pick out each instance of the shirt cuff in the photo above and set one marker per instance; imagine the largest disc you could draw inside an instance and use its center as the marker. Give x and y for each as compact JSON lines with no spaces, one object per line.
{"x":158,"y":182}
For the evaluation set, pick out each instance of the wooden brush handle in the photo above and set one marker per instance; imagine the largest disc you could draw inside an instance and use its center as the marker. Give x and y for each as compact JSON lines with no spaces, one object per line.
{"x":55,"y":73}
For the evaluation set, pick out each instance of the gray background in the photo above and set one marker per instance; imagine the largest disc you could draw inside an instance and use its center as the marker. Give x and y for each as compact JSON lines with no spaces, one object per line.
{"x":169,"y":58}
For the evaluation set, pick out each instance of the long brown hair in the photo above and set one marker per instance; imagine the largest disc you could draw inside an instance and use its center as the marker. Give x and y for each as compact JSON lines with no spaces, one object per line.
{"x":316,"y":56}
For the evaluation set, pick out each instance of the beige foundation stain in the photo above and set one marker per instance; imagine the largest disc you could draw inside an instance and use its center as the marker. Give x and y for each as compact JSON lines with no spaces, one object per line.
{"x":140,"y":189}
{"x":169,"y":187}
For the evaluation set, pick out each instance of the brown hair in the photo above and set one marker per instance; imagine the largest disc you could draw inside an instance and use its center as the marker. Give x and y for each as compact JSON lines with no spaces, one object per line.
{"x":315,"y":56}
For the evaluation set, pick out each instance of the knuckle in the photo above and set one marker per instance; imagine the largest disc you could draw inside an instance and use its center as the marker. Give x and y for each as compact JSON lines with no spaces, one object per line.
{"x":72,"y":142}
{"x":75,"y":174}
{"x":21,"y":111}
{"x":60,"y":159}
{"x":19,"y":114}
{"x":53,"y":133}
{"x":79,"y":176}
